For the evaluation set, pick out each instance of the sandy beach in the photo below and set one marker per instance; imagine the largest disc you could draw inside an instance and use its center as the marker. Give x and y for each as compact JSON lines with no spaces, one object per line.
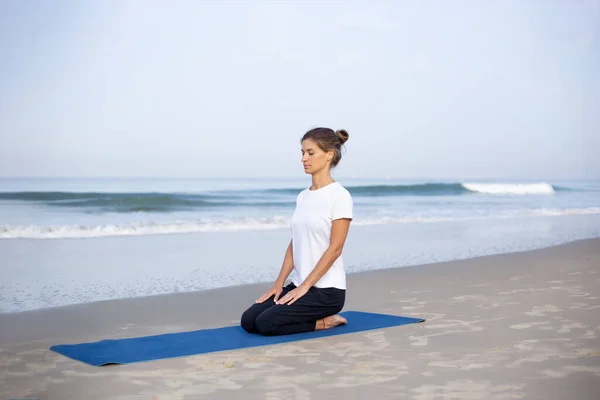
{"x":512,"y":326}
{"x":158,"y":158}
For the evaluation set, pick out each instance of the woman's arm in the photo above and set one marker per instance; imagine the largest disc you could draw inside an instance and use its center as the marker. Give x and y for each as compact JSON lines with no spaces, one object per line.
{"x":339,"y":232}
{"x":286,"y":267}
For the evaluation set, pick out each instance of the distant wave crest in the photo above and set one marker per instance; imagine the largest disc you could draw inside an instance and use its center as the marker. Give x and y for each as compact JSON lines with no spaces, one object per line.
{"x":421,"y":189}
{"x":425,"y":189}
{"x":452,"y":189}
{"x":445,"y":189}
{"x":511,"y":188}
{"x":142,"y":202}
{"x":99,"y":202}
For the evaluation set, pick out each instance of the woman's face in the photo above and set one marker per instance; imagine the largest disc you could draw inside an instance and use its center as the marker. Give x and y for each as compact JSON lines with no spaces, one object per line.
{"x":313,"y":158}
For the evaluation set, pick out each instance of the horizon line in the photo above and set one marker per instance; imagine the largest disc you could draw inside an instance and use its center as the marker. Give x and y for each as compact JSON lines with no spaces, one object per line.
{"x":422,"y":178}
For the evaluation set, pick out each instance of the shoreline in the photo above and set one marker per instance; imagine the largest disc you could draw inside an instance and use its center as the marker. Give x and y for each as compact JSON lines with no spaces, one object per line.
{"x":208,"y":291}
{"x":513,"y":325}
{"x":133,"y":267}
{"x":259,"y":287}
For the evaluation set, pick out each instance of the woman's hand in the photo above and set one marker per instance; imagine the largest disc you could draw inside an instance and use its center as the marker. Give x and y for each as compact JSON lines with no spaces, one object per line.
{"x":293,"y":295}
{"x":274,"y":291}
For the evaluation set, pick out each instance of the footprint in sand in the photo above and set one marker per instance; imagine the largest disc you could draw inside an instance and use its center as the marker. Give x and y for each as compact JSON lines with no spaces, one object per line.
{"x":409,"y":300}
{"x":519,"y":277}
{"x":566,"y":328}
{"x":529,"y":325}
{"x":460,"y":299}
{"x":541,"y":311}
{"x":467,"y":389}
{"x":571,"y":369}
{"x":589,"y":334}
{"x":588,"y":352}
{"x":418,"y":340}
{"x":579,"y":305}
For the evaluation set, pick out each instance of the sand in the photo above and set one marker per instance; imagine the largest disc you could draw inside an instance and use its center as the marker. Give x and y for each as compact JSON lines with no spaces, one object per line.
{"x":513,"y":326}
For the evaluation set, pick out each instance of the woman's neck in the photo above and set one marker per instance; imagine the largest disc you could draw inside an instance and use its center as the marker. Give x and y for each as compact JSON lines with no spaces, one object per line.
{"x":321,"y":180}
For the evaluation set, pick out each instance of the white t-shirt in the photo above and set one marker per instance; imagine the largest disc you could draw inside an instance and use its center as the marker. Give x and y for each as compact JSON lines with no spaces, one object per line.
{"x":311,"y":232}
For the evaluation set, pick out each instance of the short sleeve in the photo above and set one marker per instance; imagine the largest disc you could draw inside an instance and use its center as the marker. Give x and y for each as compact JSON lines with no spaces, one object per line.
{"x":342,"y":205}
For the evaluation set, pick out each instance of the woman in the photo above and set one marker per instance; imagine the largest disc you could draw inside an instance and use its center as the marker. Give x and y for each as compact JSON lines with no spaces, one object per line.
{"x":319,"y":226}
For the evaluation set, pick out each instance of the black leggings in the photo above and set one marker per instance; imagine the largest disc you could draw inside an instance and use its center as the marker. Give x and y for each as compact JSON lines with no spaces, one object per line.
{"x":272,"y":319}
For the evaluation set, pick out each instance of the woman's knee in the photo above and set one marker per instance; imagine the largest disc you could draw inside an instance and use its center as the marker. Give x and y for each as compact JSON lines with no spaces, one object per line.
{"x":248,"y":321}
{"x":264,"y":325}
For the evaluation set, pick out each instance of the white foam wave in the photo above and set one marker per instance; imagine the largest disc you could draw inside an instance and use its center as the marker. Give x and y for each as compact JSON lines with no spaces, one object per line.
{"x":401,"y":220}
{"x":152,"y":228}
{"x":556,"y":212}
{"x":510,"y":188}
{"x":142,"y":228}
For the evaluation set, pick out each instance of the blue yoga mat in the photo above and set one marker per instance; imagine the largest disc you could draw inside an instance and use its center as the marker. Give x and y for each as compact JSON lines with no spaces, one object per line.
{"x":146,"y":348}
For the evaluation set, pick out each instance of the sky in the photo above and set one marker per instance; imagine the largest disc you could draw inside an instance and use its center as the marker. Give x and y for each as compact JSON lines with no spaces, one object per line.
{"x":426,"y":89}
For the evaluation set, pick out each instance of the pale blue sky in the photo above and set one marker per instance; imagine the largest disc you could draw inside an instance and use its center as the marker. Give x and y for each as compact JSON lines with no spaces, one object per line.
{"x":428,"y":89}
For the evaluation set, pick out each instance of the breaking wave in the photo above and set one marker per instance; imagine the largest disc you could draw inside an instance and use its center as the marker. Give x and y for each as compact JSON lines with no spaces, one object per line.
{"x":236,"y":224}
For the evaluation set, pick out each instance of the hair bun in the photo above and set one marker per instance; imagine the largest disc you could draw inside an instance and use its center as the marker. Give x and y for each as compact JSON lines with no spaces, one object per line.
{"x":343,"y":135}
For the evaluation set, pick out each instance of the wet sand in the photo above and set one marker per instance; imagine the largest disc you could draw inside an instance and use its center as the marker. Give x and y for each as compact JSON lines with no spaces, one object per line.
{"x":522,"y":325}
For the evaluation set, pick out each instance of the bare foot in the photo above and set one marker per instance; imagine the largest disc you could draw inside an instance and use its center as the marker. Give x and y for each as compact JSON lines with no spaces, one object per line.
{"x":330,"y":322}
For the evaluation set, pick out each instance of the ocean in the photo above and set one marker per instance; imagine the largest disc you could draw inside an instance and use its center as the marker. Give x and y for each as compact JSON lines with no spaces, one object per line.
{"x":70,"y":241}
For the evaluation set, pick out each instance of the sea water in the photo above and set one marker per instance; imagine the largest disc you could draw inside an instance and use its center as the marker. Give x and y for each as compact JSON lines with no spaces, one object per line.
{"x":68,"y":241}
